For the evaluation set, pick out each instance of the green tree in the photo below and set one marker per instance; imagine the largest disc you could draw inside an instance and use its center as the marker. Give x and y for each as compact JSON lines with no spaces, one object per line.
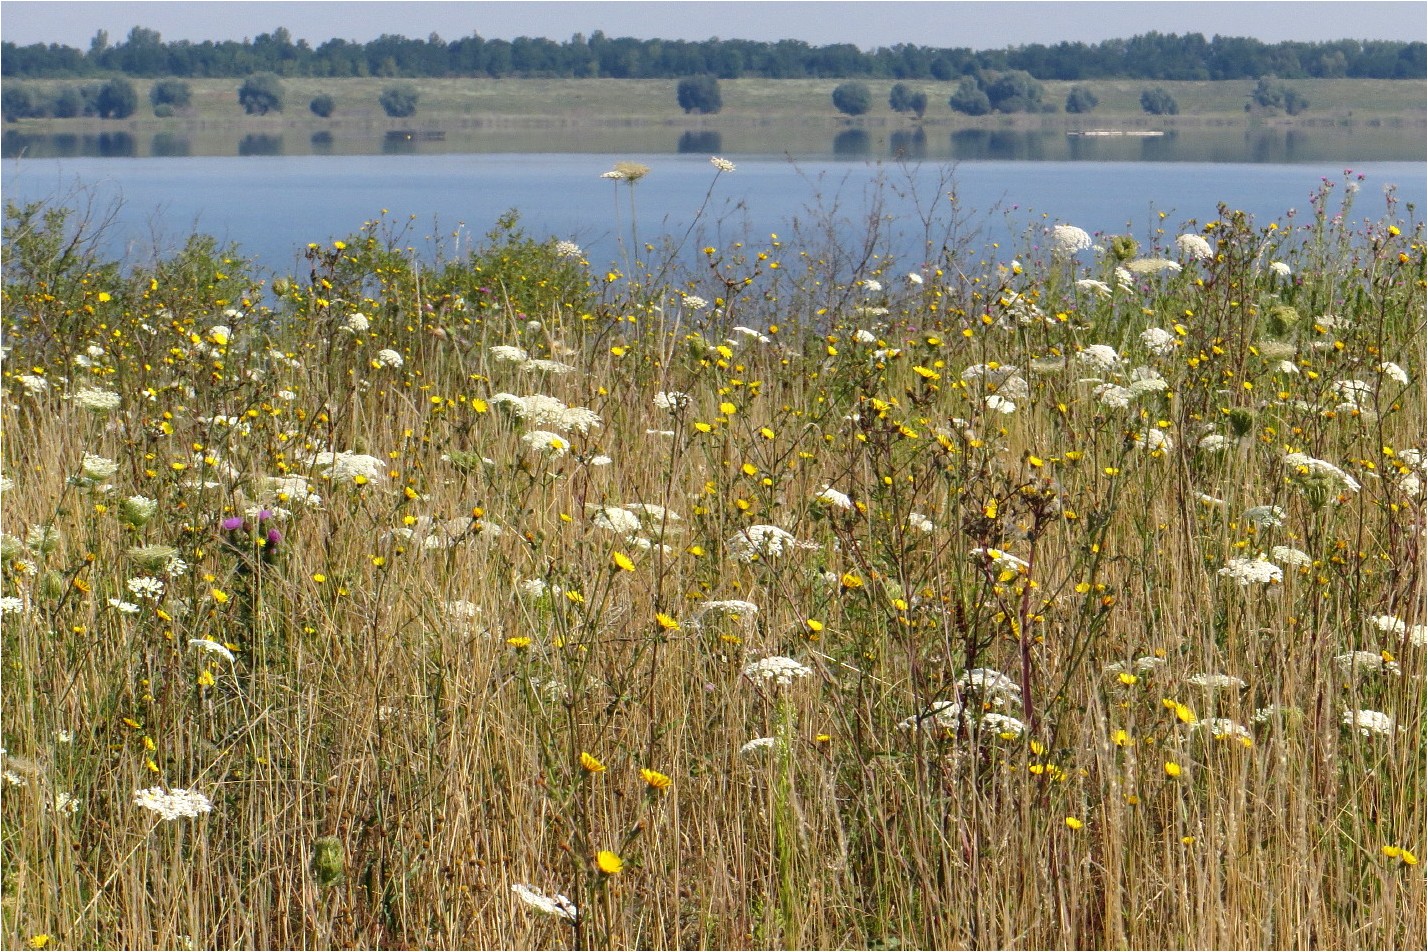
{"x":399,"y":101}
{"x":969,"y":99}
{"x":174,"y":93}
{"x":1271,"y":93}
{"x":904,"y":99}
{"x":18,"y":101}
{"x":699,"y":94}
{"x":1158,"y":102}
{"x":69,"y":102}
{"x":1014,"y":91}
{"x":1080,"y":99}
{"x":852,"y":99}
{"x":322,"y":105}
{"x":261,"y":94}
{"x":116,"y":99}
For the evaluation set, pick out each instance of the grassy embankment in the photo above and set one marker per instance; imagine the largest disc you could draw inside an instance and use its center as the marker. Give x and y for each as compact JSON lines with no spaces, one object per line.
{"x":1101,"y":605}
{"x":799,"y":101}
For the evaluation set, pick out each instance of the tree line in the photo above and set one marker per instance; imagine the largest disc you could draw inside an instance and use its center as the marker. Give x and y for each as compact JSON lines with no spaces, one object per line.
{"x":1150,"y":56}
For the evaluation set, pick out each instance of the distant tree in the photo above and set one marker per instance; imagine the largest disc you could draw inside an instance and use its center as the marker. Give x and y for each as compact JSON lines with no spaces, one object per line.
{"x":174,"y":93}
{"x":699,"y":94}
{"x":1270,"y":93}
{"x":1014,"y":91}
{"x":322,"y":105}
{"x":1080,"y":99}
{"x":69,"y":102}
{"x":969,"y":99}
{"x":18,"y":101}
{"x":1158,"y":102}
{"x":116,"y":99}
{"x":261,"y":94}
{"x":904,"y":99}
{"x":852,"y":99}
{"x":399,"y":101}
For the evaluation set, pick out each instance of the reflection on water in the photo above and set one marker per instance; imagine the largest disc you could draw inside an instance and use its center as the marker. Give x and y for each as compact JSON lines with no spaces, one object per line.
{"x":170,"y":145}
{"x":908,"y":144}
{"x":256,"y":143}
{"x":1370,"y":141}
{"x":700,"y":140}
{"x":852,"y":142}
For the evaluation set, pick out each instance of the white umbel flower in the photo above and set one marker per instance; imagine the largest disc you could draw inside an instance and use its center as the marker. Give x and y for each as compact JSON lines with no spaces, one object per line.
{"x":1369,"y":723}
{"x":777,"y":670}
{"x":763,"y":541}
{"x":173,"y":804}
{"x":1196,"y":247}
{"x":832,"y":497}
{"x":1257,"y":571}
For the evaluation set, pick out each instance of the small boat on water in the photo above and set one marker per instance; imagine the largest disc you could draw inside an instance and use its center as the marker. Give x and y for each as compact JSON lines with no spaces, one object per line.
{"x":1097,"y":133}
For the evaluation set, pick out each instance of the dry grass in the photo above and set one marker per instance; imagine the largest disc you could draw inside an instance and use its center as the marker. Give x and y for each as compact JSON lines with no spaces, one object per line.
{"x":399,"y":682}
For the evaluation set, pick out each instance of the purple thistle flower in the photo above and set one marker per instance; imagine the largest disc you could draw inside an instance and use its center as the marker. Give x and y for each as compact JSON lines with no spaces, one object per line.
{"x":232,"y":523}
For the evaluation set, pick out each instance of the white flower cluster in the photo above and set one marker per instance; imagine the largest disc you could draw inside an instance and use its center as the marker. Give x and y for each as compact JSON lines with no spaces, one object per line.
{"x":1216,"y":681}
{"x":345,"y":466}
{"x":1369,"y":723}
{"x":356,"y":323}
{"x":1365,"y":662}
{"x":1222,"y":728}
{"x":211,"y":647}
{"x":735,"y":608}
{"x":544,"y":441}
{"x":1066,"y":240}
{"x":764,"y":541}
{"x":776,"y":669}
{"x":388,"y":358}
{"x":1151,"y":266}
{"x":1304,"y":465}
{"x":96,"y":400}
{"x":1264,"y":517}
{"x":1196,"y":247}
{"x":832,"y":497}
{"x":1417,"y":634}
{"x":173,"y":804}
{"x":1289,"y":556}
{"x":568,"y":249}
{"x":1099,"y":357}
{"x":1256,"y":571}
{"x":722,"y":165}
{"x":557,"y":905}
{"x":540,"y":410}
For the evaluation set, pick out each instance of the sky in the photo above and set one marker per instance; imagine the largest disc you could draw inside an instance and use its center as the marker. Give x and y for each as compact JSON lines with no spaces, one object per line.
{"x":866,"y":24}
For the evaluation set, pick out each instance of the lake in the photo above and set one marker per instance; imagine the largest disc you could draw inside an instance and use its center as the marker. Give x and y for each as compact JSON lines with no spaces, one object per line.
{"x":271,"y":204}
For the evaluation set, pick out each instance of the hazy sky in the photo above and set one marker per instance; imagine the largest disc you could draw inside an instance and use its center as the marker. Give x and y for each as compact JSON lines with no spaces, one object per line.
{"x":868,"y":24}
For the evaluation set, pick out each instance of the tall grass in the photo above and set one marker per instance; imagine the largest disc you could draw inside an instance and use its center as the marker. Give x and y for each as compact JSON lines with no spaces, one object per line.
{"x":1070,"y":558}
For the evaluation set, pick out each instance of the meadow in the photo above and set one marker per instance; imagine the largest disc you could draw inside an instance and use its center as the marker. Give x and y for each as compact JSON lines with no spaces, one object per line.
{"x":1060,"y":595}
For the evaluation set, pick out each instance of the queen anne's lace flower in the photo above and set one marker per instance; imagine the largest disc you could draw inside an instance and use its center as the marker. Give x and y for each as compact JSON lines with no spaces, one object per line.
{"x":764,"y":541}
{"x":1369,"y":723}
{"x":173,"y":804}
{"x":1365,"y":662}
{"x":1066,"y":240}
{"x":723,"y":165}
{"x":1253,"y":571}
{"x":1100,"y":356}
{"x":1222,"y":728}
{"x":1264,"y":517}
{"x":1302,"y":464}
{"x":833,"y":497}
{"x":1216,"y":681}
{"x":776,"y":670}
{"x":1194,"y":246}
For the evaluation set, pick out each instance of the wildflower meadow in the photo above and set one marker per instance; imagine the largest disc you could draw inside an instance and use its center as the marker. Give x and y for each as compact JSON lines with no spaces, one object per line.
{"x":1059,"y":593}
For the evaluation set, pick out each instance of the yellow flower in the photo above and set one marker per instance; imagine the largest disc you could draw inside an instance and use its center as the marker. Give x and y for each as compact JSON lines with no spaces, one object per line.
{"x":206,"y":678}
{"x":608,"y":862}
{"x":590,"y":763}
{"x":219,"y":596}
{"x":655,"y":779}
{"x":1172,"y":769}
{"x":849,"y":580}
{"x":39,"y":941}
{"x":520,"y":641}
{"x":667,"y":622}
{"x":622,"y":561}
{"x":1127,"y":678}
{"x":1074,"y":823}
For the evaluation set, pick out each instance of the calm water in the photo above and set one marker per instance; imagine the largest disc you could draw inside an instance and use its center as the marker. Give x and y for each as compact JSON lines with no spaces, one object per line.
{"x":273,"y":205}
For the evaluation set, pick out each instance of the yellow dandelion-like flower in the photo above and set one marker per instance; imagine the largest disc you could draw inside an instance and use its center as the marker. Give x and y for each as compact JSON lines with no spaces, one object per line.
{"x":1074,"y":823}
{"x":609,"y":863}
{"x":1172,"y":769}
{"x":520,"y":641}
{"x":849,"y":580}
{"x":205,"y":679}
{"x":623,"y":562}
{"x":667,"y":622}
{"x":590,"y":763}
{"x":655,"y":779}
